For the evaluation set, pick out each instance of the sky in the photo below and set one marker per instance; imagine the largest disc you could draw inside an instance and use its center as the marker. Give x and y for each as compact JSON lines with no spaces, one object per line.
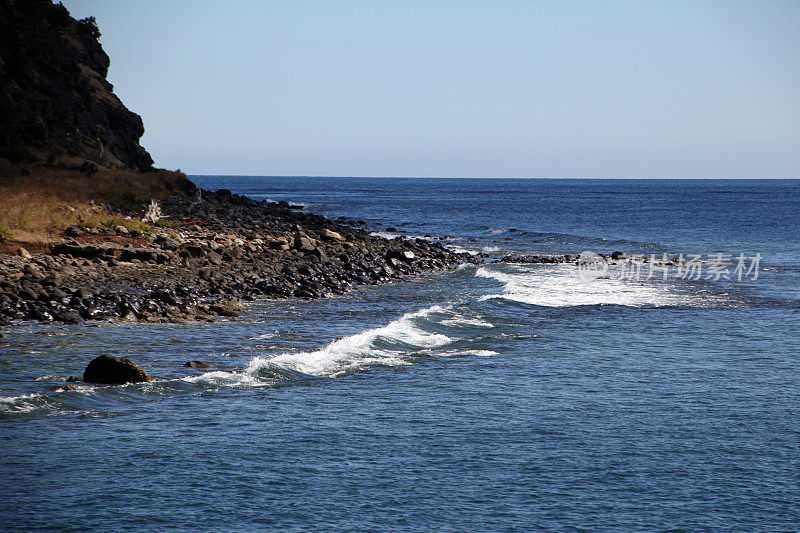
{"x":626,"y":89}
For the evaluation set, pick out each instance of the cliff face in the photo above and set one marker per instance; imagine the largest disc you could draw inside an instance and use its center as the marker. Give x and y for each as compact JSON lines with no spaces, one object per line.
{"x":53,"y":88}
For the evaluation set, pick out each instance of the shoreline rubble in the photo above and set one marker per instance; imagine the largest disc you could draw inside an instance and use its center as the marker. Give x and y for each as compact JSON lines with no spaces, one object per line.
{"x":219,"y":250}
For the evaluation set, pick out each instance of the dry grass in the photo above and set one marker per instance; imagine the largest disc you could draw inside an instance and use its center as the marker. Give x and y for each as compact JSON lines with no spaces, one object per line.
{"x":50,"y":199}
{"x":45,"y":213}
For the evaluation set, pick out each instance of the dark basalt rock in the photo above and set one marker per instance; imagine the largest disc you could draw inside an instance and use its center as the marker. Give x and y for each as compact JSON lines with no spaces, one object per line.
{"x":197,"y":364}
{"x":53,"y":87}
{"x":110,"y":370}
{"x":68,"y":317}
{"x":402,"y":255}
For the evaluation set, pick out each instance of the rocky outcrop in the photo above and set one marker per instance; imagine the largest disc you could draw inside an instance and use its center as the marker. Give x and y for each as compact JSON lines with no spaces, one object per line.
{"x":110,"y":370}
{"x":53,"y":88}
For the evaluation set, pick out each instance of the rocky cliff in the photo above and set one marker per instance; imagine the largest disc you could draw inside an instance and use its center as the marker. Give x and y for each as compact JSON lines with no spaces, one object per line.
{"x":53,"y":89}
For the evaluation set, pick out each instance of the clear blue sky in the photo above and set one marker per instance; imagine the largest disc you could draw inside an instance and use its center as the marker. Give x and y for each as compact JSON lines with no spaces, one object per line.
{"x":637,"y":88}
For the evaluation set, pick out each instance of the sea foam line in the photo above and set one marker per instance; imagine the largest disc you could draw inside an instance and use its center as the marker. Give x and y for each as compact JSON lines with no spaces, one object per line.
{"x":559,"y":286}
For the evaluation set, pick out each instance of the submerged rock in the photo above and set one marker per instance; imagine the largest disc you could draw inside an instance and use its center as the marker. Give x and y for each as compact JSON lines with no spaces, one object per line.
{"x":197,"y":364}
{"x":110,"y":370}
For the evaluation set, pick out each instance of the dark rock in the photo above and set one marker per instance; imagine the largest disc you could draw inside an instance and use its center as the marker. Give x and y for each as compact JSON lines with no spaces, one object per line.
{"x":89,"y":167}
{"x":167,"y":243}
{"x":73,"y":231}
{"x":229,"y":308}
{"x":110,"y":370}
{"x":403,"y":255}
{"x":65,"y":388}
{"x":68,"y":317}
{"x":55,"y":92}
{"x":618,"y":255}
{"x":197,"y":364}
{"x":320,"y":254}
{"x":74,"y":379}
{"x":303,"y":243}
{"x":305,"y":293}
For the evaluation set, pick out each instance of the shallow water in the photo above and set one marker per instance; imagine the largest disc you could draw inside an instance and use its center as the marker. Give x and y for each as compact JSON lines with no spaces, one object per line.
{"x":493,"y":397}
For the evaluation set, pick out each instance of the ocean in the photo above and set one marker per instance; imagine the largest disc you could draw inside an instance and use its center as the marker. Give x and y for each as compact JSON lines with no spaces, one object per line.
{"x":648,"y":395}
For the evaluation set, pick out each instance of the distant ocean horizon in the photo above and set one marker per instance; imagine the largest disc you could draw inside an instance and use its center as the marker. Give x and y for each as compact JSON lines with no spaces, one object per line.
{"x":261,"y":176}
{"x":659,"y":392}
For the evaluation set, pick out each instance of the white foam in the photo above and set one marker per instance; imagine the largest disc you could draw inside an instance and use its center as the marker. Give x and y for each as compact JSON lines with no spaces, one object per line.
{"x":467,"y":352}
{"x":488,"y":249}
{"x":221,"y":378}
{"x":464,"y":321}
{"x":386,"y":235}
{"x":559,"y":286}
{"x":264,"y":336}
{"x":14,"y":399}
{"x":384,"y":345}
{"x":459,"y":250}
{"x":405,"y":236}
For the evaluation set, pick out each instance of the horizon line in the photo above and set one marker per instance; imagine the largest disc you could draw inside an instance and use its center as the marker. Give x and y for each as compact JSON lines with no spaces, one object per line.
{"x":479,"y":177}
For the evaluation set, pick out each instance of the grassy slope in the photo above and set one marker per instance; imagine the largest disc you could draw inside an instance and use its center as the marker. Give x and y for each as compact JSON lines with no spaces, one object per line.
{"x":52,"y":198}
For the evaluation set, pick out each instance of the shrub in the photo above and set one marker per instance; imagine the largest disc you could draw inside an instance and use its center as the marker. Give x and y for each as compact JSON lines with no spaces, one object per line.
{"x":5,"y":231}
{"x":90,"y":25}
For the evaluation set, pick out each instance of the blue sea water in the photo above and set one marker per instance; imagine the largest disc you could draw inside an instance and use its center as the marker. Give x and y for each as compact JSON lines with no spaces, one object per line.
{"x":496,"y":397}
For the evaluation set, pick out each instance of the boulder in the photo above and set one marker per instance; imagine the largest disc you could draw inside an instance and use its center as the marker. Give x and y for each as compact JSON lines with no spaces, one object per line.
{"x":68,"y":317}
{"x":23,"y":253}
{"x":281,"y":243}
{"x":73,"y":231}
{"x":320,"y":254}
{"x":229,"y":308}
{"x":403,"y":255}
{"x":330,"y":236}
{"x":303,"y":243}
{"x":110,"y":370}
{"x":618,"y":255}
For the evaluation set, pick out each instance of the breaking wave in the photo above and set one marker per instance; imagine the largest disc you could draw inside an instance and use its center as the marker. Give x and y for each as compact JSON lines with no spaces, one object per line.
{"x":559,"y":286}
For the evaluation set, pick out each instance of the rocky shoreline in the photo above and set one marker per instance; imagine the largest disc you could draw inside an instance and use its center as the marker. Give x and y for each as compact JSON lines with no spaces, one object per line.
{"x":218,"y":251}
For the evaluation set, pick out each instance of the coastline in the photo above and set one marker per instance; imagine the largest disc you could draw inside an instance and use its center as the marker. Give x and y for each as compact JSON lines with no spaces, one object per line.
{"x":218,"y":251}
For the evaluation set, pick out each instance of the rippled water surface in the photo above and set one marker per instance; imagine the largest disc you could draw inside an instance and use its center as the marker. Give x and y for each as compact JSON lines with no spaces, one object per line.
{"x":492,"y":398}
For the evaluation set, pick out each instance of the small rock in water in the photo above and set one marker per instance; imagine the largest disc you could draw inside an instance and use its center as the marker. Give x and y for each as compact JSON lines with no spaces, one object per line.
{"x":68,"y":317}
{"x":618,"y":255}
{"x":65,"y":388}
{"x":197,"y":364}
{"x":110,"y":370}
